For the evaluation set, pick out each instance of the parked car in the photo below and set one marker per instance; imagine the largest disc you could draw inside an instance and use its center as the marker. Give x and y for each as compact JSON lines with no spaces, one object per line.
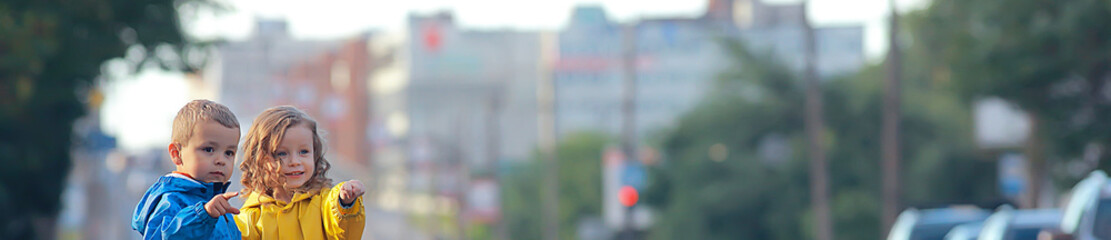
{"x":1025,"y":224}
{"x":967,"y":231}
{"x":933,"y":224}
{"x":1087,"y":216}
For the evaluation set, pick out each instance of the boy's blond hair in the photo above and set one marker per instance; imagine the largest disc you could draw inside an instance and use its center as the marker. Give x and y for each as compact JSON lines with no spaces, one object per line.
{"x":199,"y":111}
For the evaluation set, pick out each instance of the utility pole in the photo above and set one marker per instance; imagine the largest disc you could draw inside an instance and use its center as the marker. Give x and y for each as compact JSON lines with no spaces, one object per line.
{"x":891,"y":121}
{"x":546,"y":99}
{"x":493,"y":150}
{"x":819,"y":185}
{"x":628,"y":109}
{"x":463,"y":177}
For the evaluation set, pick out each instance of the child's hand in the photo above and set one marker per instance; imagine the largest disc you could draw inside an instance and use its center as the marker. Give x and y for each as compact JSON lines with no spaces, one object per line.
{"x":219,"y":205}
{"x":350,"y":191}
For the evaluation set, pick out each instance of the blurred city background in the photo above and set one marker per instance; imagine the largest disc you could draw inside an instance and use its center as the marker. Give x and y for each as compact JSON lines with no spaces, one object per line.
{"x":586,"y":119}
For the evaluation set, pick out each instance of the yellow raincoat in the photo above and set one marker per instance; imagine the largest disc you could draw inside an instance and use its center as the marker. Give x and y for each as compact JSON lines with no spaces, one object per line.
{"x":308,"y":216}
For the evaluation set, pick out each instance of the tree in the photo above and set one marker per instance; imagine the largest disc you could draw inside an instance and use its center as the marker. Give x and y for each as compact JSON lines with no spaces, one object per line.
{"x":1050,"y":58}
{"x":50,"y":57}
{"x":754,"y":193}
{"x":580,"y":192}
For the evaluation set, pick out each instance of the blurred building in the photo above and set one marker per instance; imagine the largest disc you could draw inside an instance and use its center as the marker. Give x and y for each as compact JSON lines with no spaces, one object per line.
{"x":333,"y":87}
{"x":471,"y":94}
{"x":587,"y":74}
{"x":471,"y":105}
{"x":329,"y":80}
{"x":676,"y":60}
{"x":245,"y":71}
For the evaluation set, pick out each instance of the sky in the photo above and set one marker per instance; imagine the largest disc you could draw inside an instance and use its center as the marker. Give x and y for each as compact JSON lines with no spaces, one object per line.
{"x":139,"y":109}
{"x":340,"y":18}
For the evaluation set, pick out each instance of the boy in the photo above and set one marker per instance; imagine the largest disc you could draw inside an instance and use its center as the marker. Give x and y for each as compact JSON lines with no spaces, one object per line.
{"x":190,"y":203}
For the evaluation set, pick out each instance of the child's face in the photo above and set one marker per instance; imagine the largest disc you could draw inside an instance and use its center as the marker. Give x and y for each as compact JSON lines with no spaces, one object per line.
{"x":296,"y":155}
{"x":209,"y":155}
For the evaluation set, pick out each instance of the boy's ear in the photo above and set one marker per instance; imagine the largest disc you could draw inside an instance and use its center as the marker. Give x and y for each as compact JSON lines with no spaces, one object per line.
{"x":175,"y":153}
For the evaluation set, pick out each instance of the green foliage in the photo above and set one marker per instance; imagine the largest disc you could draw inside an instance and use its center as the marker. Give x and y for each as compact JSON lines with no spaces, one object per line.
{"x":750,"y":195}
{"x":51,"y":54}
{"x":580,"y":188}
{"x":1048,"y":57}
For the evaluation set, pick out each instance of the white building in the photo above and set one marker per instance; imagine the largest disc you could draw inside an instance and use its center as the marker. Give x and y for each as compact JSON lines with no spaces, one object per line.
{"x":471,"y":92}
{"x":677,"y":60}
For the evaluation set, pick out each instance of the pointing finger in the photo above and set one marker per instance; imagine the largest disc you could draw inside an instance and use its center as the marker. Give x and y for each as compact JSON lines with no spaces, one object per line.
{"x":229,"y":195}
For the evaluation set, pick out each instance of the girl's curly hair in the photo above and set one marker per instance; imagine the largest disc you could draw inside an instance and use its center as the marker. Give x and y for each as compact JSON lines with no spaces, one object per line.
{"x":262,"y":168}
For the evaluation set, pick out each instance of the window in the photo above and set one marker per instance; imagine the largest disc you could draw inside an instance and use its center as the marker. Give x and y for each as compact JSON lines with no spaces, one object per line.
{"x":1102,"y":225}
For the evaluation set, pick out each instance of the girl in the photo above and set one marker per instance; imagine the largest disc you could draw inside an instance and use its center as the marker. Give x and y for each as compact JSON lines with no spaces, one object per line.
{"x":288,"y":194}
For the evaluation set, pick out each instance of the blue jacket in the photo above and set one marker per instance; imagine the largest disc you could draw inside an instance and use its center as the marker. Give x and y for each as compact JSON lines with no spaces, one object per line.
{"x":173,"y":208}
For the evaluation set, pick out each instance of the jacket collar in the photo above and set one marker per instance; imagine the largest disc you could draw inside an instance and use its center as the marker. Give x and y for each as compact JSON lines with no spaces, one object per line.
{"x":258,"y":199}
{"x":210,"y":189}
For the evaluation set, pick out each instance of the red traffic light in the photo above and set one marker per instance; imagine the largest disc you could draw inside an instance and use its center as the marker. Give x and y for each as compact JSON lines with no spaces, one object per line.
{"x":627,"y":196}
